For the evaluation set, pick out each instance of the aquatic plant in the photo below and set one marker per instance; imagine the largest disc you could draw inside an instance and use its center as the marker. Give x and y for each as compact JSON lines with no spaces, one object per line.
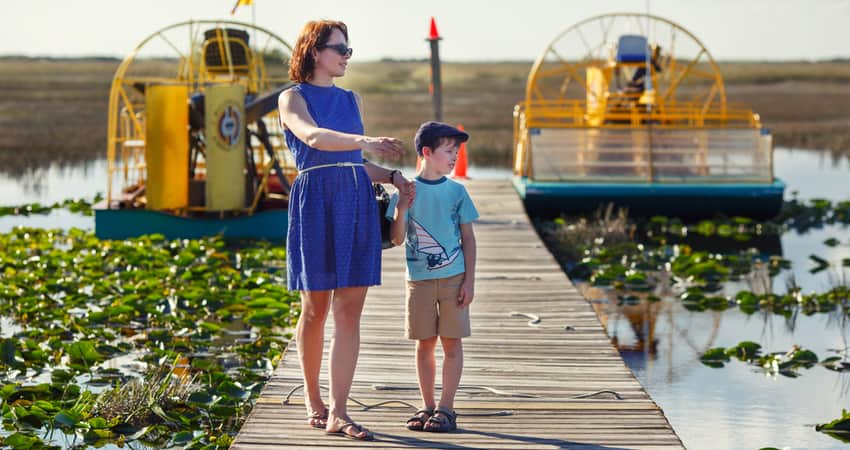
{"x":838,"y":428}
{"x":74,"y":205}
{"x":202,"y":321}
{"x":784,"y":363}
{"x":814,"y":213}
{"x":616,"y":252}
{"x":136,"y":402}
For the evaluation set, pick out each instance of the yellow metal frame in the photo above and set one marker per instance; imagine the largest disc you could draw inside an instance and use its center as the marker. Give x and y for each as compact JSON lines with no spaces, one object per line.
{"x":573,"y":70}
{"x":573,"y":113}
{"x":125,"y":126}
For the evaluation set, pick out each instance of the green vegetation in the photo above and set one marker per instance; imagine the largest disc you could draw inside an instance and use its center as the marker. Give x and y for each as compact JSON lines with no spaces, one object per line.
{"x":74,"y":205}
{"x":838,"y":428}
{"x":201,"y":322}
{"x":784,"y":363}
{"x":610,"y":250}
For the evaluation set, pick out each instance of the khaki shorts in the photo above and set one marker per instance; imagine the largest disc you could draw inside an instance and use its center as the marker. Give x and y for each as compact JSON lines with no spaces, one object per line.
{"x":432,"y":309}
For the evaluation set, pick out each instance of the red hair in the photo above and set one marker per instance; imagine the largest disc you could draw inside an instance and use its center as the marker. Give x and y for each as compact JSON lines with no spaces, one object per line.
{"x":314,"y":34}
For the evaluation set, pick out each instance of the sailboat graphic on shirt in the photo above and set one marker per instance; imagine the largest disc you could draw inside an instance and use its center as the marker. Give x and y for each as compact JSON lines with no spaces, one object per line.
{"x":435,"y":253}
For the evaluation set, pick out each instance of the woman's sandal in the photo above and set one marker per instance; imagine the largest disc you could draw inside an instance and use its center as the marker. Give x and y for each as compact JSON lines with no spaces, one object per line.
{"x":349,"y":426}
{"x":417,"y":421}
{"x":442,"y":421}
{"x":318,"y":419}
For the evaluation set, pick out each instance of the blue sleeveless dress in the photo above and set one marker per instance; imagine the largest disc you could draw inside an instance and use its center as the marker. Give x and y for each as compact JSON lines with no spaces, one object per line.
{"x":334,"y":237}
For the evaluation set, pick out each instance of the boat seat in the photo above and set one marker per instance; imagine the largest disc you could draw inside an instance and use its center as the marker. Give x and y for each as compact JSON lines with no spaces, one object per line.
{"x":259,"y":106}
{"x":215,"y":53}
{"x":632,"y":48}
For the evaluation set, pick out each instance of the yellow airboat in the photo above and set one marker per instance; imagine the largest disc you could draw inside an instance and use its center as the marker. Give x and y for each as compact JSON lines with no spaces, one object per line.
{"x":631,"y":109}
{"x":194,"y":145}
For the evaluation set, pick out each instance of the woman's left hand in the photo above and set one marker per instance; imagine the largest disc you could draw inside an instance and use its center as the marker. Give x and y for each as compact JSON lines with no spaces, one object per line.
{"x":408,"y":187}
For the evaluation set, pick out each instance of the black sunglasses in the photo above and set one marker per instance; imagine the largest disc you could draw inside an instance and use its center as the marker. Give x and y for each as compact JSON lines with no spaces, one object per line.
{"x":342,"y":49}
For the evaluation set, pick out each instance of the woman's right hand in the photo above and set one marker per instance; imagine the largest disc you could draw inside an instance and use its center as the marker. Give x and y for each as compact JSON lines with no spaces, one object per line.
{"x":385,"y":147}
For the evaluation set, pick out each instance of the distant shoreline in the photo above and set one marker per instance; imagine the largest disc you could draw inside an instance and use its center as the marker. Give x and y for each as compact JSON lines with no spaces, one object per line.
{"x":55,"y":109}
{"x":838,"y":60}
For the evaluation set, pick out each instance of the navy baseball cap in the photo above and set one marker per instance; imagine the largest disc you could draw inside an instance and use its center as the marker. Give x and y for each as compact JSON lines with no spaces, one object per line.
{"x":429,"y":135}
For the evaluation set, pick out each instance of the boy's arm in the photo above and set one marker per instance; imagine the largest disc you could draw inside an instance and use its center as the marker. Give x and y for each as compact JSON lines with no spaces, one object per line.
{"x":398,"y":229}
{"x":467,"y":289}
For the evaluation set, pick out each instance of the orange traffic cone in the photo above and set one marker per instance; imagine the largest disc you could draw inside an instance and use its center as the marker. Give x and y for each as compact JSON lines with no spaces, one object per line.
{"x":460,"y":164}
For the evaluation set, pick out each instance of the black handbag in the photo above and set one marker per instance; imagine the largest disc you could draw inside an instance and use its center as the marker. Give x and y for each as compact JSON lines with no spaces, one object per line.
{"x":384,"y":199}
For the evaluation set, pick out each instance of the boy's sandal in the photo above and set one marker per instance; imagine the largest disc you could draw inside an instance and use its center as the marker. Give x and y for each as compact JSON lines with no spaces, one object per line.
{"x":417,"y":421}
{"x":353,"y":430}
{"x":318,"y":419}
{"x":442,"y":421}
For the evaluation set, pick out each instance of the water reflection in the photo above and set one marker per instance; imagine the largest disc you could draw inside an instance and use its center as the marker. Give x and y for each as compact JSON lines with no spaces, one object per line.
{"x":745,"y":405}
{"x":813,"y":174}
{"x":33,"y":182}
{"x":53,"y":183}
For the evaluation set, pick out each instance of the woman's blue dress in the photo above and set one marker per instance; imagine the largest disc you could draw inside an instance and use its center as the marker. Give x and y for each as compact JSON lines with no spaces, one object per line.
{"x":334,"y":237}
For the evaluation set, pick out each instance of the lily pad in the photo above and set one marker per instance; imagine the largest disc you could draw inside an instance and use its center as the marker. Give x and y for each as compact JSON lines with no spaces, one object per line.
{"x":838,"y":428}
{"x":715,"y":357}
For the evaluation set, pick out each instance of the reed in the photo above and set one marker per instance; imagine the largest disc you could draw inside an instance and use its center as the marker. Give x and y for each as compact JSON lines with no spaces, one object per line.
{"x":54,"y":111}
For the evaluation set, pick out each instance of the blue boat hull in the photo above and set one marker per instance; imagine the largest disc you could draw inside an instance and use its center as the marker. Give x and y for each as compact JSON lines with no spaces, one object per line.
{"x":550,"y":199}
{"x":270,"y":225}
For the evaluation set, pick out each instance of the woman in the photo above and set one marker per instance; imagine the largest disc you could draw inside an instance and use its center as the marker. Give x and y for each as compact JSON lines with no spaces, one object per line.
{"x":334,"y":241}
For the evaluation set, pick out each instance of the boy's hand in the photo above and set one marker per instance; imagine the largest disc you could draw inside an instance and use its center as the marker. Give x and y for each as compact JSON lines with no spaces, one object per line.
{"x":467,"y":291}
{"x":406,"y":189}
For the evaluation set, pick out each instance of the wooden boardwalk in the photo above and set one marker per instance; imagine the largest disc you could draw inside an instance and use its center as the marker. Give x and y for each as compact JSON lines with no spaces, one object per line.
{"x":565,"y":355}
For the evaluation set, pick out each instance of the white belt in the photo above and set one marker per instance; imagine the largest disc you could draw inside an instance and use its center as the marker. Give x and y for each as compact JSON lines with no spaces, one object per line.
{"x":338,"y":164}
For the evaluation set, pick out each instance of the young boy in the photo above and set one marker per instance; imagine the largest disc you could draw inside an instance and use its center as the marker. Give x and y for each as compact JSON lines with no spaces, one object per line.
{"x":440,"y":248}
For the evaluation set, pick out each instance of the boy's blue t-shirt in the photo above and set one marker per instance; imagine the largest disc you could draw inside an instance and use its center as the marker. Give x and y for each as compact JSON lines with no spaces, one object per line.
{"x":433,"y":242}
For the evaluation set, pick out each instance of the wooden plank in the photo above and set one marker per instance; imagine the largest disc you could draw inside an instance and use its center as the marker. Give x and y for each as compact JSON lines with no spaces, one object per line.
{"x":537,"y":371}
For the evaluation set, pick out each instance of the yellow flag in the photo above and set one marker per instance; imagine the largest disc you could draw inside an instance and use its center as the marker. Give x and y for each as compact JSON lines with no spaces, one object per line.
{"x":240,"y":3}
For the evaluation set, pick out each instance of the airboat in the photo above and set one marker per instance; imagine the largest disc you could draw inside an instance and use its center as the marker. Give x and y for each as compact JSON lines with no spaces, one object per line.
{"x":631,"y":110}
{"x":194,"y":144}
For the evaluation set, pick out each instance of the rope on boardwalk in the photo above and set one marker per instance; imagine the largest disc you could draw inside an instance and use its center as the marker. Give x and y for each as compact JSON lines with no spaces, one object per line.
{"x":535,"y":320}
{"x":382,"y":387}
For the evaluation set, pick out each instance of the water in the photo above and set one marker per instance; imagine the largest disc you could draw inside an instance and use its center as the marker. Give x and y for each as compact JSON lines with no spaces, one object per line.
{"x":813,"y":174}
{"x":739,"y":406}
{"x":50,"y":185}
{"x":736,"y":407}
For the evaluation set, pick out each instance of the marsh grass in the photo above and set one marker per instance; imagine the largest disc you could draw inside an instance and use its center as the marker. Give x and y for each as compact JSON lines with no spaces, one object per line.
{"x":763,"y":72}
{"x":141,"y":402}
{"x":568,"y":238}
{"x":54,"y":111}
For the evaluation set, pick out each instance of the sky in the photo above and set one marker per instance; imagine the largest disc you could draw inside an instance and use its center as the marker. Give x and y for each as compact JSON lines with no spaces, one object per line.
{"x":472,"y":30}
